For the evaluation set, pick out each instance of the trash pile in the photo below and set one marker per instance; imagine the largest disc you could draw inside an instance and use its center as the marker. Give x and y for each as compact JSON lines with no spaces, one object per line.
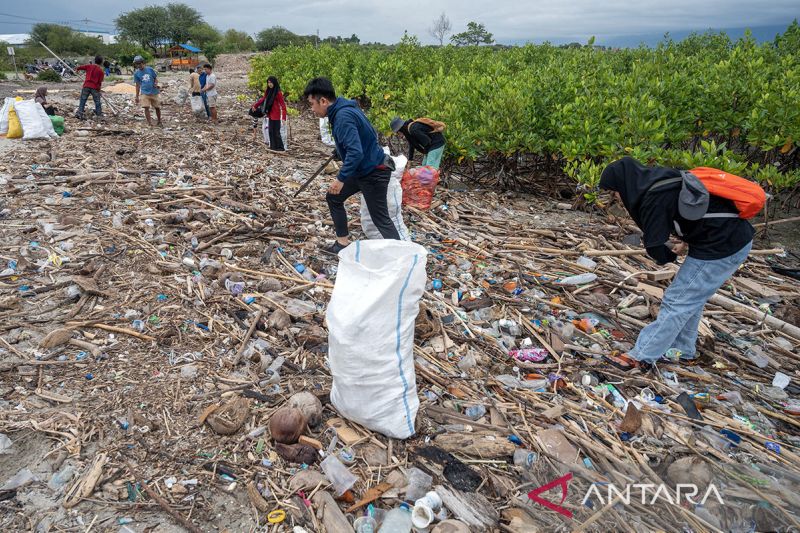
{"x":164,"y":356}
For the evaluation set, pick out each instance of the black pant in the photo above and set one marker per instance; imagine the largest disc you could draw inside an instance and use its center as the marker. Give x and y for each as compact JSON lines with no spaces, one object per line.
{"x":50,"y":110}
{"x":275,"y":140}
{"x":373,"y":186}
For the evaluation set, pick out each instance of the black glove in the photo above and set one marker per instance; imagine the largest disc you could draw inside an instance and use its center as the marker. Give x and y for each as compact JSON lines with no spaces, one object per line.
{"x":336,"y":156}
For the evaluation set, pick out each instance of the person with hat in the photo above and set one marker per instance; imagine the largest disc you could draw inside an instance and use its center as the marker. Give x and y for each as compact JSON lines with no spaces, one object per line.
{"x":146,"y":81}
{"x":664,"y":202}
{"x":423,"y":135}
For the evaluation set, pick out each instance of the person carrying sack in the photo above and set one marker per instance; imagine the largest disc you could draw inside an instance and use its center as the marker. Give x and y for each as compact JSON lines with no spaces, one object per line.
{"x":272,"y":106}
{"x":423,"y":135}
{"x":707,"y":209}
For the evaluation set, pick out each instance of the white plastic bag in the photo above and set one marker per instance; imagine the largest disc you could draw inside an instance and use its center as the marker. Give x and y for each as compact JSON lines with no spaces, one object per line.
{"x":325,"y":132}
{"x":284,"y":132}
{"x":371,"y":318}
{"x":198,"y":108}
{"x":33,"y":126}
{"x":7,"y":104}
{"x":182,"y":96}
{"x":394,"y":200}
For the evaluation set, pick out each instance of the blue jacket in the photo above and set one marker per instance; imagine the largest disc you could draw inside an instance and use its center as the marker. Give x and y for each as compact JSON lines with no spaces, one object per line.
{"x":355,"y":138}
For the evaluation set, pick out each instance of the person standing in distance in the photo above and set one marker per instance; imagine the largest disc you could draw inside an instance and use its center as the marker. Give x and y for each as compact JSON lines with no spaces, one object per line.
{"x":365,"y":167}
{"x":146,"y":79}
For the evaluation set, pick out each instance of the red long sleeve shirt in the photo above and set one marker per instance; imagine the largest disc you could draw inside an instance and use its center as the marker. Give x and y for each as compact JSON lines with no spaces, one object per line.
{"x":278,"y":111}
{"x":94,"y":76}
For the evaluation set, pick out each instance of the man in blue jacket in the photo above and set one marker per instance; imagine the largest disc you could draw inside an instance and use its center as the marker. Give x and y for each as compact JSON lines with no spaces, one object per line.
{"x":365,"y":167}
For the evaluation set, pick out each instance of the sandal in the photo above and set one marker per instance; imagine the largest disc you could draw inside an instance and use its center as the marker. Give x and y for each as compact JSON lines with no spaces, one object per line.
{"x":622,"y":361}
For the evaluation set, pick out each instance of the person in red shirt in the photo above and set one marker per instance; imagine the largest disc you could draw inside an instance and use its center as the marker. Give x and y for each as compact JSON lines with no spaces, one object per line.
{"x":273,"y":107}
{"x":91,"y":86}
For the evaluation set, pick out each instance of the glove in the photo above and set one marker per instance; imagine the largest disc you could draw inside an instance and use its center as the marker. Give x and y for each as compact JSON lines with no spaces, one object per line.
{"x":336,"y":156}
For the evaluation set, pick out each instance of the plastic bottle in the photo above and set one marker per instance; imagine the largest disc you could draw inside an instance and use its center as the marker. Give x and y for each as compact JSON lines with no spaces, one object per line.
{"x":418,"y":484}
{"x":474,"y":412}
{"x":526,"y":458}
{"x":580,"y":279}
{"x":340,"y":477}
{"x":397,"y":520}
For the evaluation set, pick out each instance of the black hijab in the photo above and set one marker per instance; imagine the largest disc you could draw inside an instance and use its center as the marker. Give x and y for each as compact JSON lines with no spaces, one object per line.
{"x":270,"y":94}
{"x":632,"y":180}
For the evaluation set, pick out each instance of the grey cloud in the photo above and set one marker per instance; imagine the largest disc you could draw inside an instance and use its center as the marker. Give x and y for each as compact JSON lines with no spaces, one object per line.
{"x":508,"y":20}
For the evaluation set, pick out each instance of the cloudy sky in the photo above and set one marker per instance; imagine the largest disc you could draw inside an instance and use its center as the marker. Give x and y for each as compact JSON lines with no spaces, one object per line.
{"x":380,"y":20}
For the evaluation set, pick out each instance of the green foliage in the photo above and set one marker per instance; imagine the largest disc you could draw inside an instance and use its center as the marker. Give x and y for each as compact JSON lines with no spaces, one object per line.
{"x":276,"y":36}
{"x":147,"y":26}
{"x":237,"y":41}
{"x":704,"y":101}
{"x":48,"y":75}
{"x":124,"y":51}
{"x":475,"y":35}
{"x":64,"y":40}
{"x":181,"y":20}
{"x":154,"y":27}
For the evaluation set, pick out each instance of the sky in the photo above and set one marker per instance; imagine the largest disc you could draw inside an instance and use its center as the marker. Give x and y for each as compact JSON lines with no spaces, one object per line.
{"x":511,"y":21}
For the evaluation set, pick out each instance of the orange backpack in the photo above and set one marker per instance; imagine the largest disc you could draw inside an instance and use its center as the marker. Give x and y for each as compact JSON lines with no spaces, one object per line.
{"x":435,"y":125}
{"x":748,"y":196}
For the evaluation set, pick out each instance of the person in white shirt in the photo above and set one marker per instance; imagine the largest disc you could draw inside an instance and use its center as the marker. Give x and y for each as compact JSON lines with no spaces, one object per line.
{"x":210,"y":90}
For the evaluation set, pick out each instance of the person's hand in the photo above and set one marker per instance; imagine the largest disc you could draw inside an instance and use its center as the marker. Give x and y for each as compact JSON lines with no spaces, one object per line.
{"x":679,"y":247}
{"x":335,"y":187}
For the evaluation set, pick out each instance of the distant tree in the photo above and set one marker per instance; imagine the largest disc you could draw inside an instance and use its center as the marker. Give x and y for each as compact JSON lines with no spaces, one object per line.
{"x":475,"y":35}
{"x":202,"y":35}
{"x":441,"y":27}
{"x":147,"y":26}
{"x":276,"y":36}
{"x":181,"y":18}
{"x":237,"y":41}
{"x":64,"y":40}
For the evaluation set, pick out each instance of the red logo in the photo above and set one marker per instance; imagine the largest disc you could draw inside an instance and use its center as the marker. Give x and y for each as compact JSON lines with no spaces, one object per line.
{"x":563,"y":482}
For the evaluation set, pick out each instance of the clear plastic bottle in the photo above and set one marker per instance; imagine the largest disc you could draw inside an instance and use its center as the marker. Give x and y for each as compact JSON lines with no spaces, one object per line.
{"x":474,"y":412}
{"x":397,"y":520}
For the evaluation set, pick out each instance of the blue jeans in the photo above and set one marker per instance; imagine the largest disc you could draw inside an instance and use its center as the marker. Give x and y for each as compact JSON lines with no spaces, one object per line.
{"x":204,"y":96}
{"x":433,"y":158}
{"x":98,"y":108}
{"x":682,"y":307}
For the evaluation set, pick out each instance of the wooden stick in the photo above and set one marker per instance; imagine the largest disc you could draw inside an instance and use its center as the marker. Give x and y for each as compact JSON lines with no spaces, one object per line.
{"x":247,"y":337}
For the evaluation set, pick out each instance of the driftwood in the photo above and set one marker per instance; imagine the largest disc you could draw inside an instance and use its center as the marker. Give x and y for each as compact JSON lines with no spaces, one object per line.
{"x":472,"y":509}
{"x":328,"y":511}
{"x":754,"y":314}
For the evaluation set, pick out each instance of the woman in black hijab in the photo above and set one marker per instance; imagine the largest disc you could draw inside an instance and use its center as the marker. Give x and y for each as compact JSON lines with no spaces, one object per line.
{"x":717,"y":246}
{"x":273,"y":108}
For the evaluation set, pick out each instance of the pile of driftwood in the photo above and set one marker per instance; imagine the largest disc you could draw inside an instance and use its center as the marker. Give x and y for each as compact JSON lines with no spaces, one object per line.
{"x":162,"y":297}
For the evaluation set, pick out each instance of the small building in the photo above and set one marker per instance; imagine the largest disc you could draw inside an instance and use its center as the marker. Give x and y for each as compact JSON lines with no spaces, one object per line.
{"x":184,"y":57}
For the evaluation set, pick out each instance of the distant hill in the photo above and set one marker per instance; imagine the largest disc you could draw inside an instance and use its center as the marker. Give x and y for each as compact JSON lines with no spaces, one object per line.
{"x":760,"y":33}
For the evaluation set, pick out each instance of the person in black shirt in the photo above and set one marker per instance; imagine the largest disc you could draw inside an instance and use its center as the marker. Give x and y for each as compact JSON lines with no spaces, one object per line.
{"x":423,"y":135}
{"x":718,"y":244}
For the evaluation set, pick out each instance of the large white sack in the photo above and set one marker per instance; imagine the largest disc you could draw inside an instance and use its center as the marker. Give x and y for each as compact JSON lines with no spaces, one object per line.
{"x":371,"y":318}
{"x":7,"y":103}
{"x":33,"y":127}
{"x":394,"y":200}
{"x":48,"y":124}
{"x":198,"y":108}
{"x":325,"y":132}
